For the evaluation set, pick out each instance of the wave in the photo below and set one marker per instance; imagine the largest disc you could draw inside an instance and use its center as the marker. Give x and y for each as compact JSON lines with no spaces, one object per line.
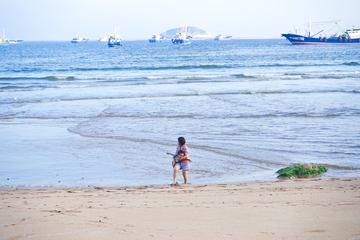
{"x":352,"y":63}
{"x":205,"y":66}
{"x":57,"y":78}
{"x":281,"y":92}
{"x":208,"y":116}
{"x":8,"y":84}
{"x":178,"y":67}
{"x":260,"y":76}
{"x":307,"y":64}
{"x":315,"y":115}
{"x":21,"y":89}
{"x":124,"y":68}
{"x":51,"y":78}
{"x":196,"y":94}
{"x":211,"y":66}
{"x":267,"y":115}
{"x":242,"y":76}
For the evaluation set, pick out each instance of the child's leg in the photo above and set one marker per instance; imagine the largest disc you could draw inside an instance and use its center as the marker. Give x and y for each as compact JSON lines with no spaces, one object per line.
{"x":185,"y":176}
{"x":173,"y":163}
{"x":176,"y":170}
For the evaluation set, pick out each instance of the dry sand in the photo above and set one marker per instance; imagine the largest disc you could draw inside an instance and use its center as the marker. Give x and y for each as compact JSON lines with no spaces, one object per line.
{"x":291,"y":209}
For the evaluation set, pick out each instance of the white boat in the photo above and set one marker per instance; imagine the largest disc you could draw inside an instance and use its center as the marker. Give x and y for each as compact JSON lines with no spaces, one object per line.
{"x":3,"y":40}
{"x":15,"y":41}
{"x":156,"y":38}
{"x":219,"y":37}
{"x":163,"y":38}
{"x":79,"y":40}
{"x":103,"y":39}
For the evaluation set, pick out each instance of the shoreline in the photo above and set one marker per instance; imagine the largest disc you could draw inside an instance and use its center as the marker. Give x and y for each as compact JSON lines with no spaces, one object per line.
{"x":180,"y":180}
{"x":317,"y":208}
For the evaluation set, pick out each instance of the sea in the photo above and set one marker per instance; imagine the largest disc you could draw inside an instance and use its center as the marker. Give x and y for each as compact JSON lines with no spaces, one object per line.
{"x":86,"y":115}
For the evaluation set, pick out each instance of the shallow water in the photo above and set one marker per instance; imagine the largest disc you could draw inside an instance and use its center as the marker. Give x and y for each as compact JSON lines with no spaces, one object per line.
{"x":79,"y":115}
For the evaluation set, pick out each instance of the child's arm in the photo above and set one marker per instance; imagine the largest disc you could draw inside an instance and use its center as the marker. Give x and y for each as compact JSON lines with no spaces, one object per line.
{"x":186,"y":159}
{"x":170,"y":154}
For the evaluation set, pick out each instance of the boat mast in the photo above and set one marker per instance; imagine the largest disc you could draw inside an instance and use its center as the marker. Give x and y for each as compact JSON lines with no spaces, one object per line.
{"x":309,"y":26}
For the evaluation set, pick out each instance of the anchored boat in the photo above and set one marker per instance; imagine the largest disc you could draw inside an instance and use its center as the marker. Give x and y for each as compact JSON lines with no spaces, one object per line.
{"x":79,"y":39}
{"x":219,"y":37}
{"x":103,"y":39}
{"x":348,"y":37}
{"x":3,"y":40}
{"x":114,"y":39}
{"x":15,"y":41}
{"x":182,"y":37}
{"x":156,"y":38}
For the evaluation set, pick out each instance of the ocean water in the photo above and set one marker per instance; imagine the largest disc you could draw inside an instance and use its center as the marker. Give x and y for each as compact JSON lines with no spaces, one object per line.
{"x":89,"y":115}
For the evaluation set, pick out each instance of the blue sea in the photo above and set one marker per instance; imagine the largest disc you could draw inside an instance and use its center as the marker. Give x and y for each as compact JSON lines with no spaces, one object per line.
{"x":79,"y":115}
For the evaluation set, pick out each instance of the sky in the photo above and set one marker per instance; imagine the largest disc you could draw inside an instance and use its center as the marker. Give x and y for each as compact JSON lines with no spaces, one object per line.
{"x":62,"y":20}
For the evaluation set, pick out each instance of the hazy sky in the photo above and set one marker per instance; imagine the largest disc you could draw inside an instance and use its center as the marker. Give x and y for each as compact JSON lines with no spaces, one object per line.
{"x":63,"y":19}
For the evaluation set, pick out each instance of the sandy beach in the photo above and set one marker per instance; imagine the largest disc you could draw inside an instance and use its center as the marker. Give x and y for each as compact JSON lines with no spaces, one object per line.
{"x":291,"y":209}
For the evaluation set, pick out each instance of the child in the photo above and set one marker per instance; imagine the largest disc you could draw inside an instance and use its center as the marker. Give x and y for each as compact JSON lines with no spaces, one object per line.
{"x":175,"y":158}
{"x":180,"y":154}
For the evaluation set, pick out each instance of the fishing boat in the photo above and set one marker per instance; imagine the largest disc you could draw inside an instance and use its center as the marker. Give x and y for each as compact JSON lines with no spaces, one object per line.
{"x":15,"y":41}
{"x":182,"y":37}
{"x":163,"y":38}
{"x":348,"y":37}
{"x":114,"y":39}
{"x":103,"y":39}
{"x":228,"y":37}
{"x":3,"y":40}
{"x":219,"y":37}
{"x":79,"y":40}
{"x":156,"y":38}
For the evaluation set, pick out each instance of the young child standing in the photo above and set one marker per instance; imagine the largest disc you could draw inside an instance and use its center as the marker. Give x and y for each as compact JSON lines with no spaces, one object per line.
{"x":183,"y":160}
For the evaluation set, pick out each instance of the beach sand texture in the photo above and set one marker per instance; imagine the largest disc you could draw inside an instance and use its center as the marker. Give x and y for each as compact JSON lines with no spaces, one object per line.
{"x":291,"y":209}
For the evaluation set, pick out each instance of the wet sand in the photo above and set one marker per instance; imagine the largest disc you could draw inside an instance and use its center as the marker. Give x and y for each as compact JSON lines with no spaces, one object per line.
{"x":291,"y":209}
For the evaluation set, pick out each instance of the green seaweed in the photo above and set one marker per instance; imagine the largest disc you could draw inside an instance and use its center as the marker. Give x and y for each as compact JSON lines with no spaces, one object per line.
{"x":301,"y":171}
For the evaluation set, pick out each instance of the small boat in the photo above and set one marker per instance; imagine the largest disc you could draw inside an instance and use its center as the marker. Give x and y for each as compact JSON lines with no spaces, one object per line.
{"x":219,"y":37}
{"x":228,"y":37}
{"x":182,"y":37}
{"x":3,"y":40}
{"x":79,"y":40}
{"x":103,"y":39}
{"x":348,"y":37}
{"x":15,"y":41}
{"x":156,"y":38}
{"x":114,"y":39}
{"x":4,"y":43}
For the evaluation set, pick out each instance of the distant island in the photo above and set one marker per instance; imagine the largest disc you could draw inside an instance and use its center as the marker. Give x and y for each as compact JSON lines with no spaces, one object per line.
{"x":195,"y":32}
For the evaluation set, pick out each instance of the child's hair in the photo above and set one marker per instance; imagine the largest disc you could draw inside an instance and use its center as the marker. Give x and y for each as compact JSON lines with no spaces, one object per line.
{"x":180,"y":152}
{"x":181,"y":141}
